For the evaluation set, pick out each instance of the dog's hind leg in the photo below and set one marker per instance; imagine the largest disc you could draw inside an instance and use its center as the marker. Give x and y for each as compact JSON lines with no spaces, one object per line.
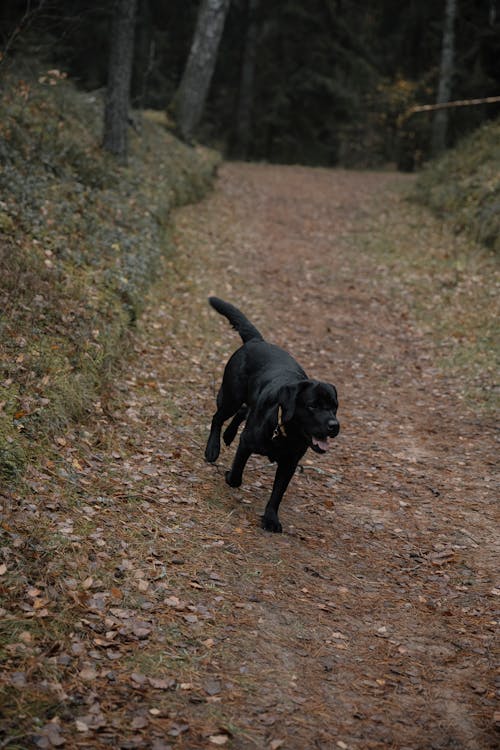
{"x":213,"y":444}
{"x":232,"y":428}
{"x":235,"y":475}
{"x":230,"y":399}
{"x":228,"y":405}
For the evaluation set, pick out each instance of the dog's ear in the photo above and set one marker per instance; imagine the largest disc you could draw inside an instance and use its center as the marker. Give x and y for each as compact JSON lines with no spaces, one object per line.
{"x":287,"y":398}
{"x":334,"y":391}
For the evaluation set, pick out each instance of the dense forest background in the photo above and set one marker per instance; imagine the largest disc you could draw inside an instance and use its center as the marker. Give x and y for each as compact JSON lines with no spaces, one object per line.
{"x":330,"y":80}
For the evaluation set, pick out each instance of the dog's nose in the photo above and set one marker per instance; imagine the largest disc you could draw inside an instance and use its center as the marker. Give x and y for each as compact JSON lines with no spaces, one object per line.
{"x":333,"y":427}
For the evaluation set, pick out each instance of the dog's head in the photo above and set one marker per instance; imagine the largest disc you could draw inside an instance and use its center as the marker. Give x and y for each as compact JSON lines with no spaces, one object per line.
{"x":312,"y":405}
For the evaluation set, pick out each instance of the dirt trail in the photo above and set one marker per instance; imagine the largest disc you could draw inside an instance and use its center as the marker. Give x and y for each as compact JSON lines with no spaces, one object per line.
{"x":369,"y":623}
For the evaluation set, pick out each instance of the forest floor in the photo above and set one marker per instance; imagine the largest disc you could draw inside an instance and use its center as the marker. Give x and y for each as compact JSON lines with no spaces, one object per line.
{"x":142,"y":604}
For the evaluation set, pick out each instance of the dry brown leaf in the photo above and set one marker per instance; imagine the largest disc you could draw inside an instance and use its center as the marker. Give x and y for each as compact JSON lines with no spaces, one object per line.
{"x":88,"y":674}
{"x":218,"y":739}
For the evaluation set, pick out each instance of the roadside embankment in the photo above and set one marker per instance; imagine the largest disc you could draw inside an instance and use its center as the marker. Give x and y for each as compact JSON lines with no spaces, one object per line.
{"x":81,"y":239}
{"x":463,"y":186}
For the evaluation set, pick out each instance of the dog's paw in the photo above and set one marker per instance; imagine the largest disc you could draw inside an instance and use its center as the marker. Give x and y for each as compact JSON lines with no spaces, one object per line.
{"x":231,"y":481}
{"x":271,"y":523}
{"x":229,"y":435}
{"x":212,"y":452}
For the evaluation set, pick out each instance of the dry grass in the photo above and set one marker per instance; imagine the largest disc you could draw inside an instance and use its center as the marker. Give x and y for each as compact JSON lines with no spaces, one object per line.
{"x":450,"y":287}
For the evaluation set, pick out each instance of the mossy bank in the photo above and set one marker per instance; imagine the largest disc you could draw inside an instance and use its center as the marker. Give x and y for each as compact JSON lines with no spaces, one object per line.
{"x":463,"y":186}
{"x":81,"y":239}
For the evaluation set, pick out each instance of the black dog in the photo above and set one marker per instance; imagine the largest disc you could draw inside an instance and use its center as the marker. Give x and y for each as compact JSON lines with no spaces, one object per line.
{"x":285,"y":411}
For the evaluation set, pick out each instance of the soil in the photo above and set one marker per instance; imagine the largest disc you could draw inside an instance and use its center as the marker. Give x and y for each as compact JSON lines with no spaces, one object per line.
{"x":370,"y":622}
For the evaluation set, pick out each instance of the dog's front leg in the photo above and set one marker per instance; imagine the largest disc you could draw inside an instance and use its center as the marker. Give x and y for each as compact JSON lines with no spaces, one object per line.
{"x":284,"y":472}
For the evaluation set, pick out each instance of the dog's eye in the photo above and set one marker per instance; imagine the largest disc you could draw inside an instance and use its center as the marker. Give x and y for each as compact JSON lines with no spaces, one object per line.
{"x":312,"y":408}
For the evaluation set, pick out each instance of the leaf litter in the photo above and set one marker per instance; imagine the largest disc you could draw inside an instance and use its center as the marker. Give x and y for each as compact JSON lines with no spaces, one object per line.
{"x":142,"y":605}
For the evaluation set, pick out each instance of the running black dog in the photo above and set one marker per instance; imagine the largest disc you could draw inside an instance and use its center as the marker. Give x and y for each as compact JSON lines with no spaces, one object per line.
{"x":285,"y":411}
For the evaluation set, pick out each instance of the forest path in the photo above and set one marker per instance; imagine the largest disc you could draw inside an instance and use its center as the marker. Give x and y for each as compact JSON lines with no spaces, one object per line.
{"x":369,"y":622}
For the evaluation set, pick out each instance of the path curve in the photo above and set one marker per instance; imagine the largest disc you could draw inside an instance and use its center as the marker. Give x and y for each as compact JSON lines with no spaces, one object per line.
{"x":369,"y":623}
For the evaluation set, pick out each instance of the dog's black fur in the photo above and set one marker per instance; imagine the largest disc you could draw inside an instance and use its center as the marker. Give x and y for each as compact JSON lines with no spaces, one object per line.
{"x":285,"y":411}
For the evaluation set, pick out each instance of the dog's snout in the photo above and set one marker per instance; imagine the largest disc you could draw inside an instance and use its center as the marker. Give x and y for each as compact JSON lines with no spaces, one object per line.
{"x":333,"y":427}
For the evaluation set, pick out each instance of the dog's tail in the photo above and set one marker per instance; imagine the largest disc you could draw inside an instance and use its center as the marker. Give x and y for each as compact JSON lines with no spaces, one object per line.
{"x":246,"y":330}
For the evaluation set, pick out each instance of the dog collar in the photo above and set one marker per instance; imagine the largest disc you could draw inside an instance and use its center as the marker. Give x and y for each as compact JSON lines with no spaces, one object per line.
{"x":280,"y":428}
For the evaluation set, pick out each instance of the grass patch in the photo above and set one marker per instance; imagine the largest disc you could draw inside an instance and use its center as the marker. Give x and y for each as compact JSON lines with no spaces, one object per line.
{"x":449,"y":285}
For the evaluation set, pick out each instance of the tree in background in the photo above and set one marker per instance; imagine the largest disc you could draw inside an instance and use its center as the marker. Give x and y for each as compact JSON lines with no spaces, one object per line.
{"x":318,"y":82}
{"x":246,"y":91}
{"x":191,"y":96}
{"x":440,"y":122}
{"x":116,"y":112}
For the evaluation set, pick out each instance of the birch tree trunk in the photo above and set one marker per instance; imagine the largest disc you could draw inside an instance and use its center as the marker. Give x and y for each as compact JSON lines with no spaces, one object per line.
{"x":191,"y":96}
{"x":246,"y":93}
{"x":440,"y":122}
{"x":119,"y":74}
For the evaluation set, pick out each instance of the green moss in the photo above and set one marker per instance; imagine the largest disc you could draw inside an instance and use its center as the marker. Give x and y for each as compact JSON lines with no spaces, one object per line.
{"x":463,"y":186}
{"x":81,"y":240}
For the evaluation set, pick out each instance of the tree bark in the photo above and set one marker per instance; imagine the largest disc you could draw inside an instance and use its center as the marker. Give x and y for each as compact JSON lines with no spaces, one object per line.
{"x":440,"y":122}
{"x":245,"y":102}
{"x":191,"y":96}
{"x":116,"y":113}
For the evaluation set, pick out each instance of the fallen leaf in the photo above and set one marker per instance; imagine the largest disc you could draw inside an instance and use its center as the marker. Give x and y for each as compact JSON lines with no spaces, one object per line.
{"x":140,"y":722}
{"x":178,"y":729}
{"x":18,"y":679}
{"x":212,"y":687}
{"x":161,"y":684}
{"x":218,"y":739}
{"x":51,"y":732}
{"x":88,"y":674}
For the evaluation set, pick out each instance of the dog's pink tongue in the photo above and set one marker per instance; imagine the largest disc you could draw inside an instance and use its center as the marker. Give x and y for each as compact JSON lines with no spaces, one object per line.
{"x":323,"y":444}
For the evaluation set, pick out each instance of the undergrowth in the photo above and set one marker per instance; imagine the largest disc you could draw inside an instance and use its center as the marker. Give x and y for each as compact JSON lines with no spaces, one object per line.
{"x":81,"y":239}
{"x":463,"y":186}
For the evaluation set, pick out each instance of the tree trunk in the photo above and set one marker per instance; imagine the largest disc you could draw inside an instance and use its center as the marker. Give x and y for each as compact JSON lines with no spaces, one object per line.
{"x":245,"y":102}
{"x":144,"y":54}
{"x":440,"y":122}
{"x":191,"y":96}
{"x":119,"y":75}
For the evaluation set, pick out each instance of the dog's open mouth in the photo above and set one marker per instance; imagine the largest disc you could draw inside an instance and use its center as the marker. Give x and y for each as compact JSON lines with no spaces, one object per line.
{"x":319,"y":445}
